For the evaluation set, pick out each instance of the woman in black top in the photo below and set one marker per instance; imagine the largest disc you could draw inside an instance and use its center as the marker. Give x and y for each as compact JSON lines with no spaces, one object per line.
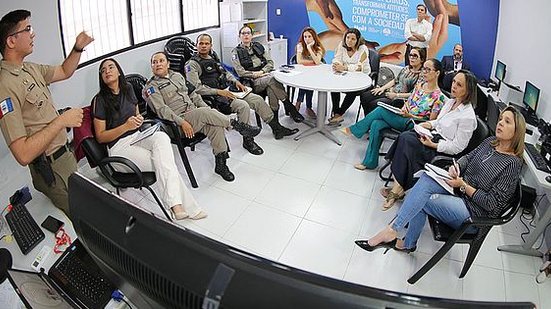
{"x":116,"y":122}
{"x":487,"y":178}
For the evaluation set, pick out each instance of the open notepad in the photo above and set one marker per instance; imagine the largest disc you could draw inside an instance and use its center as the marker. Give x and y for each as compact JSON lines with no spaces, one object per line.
{"x":438,"y":174}
{"x":242,"y":94}
{"x":145,"y":133}
{"x":391,"y":108}
{"x":422,"y":130}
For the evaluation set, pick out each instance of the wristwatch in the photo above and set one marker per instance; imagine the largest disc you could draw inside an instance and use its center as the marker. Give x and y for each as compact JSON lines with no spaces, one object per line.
{"x":463,"y":187}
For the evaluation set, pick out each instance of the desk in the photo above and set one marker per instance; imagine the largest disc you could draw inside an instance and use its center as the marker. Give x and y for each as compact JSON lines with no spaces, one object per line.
{"x":321,"y":78}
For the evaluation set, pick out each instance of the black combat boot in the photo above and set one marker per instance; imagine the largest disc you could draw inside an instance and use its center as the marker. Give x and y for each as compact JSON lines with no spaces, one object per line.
{"x":251,"y":146}
{"x":293,"y":113}
{"x":221,"y":168}
{"x":278,"y":130}
{"x":245,"y":129}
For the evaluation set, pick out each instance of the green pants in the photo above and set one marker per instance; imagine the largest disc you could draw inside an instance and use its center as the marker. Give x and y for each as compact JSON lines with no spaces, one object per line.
{"x":63,"y":167}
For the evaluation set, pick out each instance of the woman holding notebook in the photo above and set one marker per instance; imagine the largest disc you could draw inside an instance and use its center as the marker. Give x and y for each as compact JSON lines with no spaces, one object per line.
{"x":449,"y":133}
{"x":486,"y":178}
{"x":422,"y":105}
{"x":116,"y":123}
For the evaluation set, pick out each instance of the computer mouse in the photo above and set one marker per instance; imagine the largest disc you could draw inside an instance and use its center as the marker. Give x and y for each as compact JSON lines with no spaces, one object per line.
{"x":548,"y":178}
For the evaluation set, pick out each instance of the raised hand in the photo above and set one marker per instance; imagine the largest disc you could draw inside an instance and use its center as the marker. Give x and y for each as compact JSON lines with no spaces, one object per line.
{"x":71,"y":118}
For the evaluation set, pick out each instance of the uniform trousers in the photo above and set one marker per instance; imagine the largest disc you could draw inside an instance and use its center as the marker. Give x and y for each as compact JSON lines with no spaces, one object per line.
{"x":154,"y":153}
{"x":63,"y":167}
{"x":274,"y":89}
{"x":211,"y":123}
{"x":257,"y":104}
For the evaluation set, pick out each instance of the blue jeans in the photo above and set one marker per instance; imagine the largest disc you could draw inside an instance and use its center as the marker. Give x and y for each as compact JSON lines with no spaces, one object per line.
{"x":427,"y":197}
{"x":309,"y":94}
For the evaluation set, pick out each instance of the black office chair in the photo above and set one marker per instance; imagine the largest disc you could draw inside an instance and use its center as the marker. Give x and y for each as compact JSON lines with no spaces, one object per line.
{"x":493,"y":114}
{"x":97,"y":155}
{"x":375,"y":65}
{"x":170,"y":128}
{"x":444,"y":233}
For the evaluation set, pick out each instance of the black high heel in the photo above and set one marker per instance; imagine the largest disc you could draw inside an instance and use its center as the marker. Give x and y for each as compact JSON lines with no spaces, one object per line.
{"x":364,"y":244}
{"x":405,"y":250}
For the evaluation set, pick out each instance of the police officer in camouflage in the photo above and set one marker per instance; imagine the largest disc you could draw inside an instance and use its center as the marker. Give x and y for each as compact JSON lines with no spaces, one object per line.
{"x":167,"y":93}
{"x":207,"y":74}
{"x":33,"y":129}
{"x":252,"y":62}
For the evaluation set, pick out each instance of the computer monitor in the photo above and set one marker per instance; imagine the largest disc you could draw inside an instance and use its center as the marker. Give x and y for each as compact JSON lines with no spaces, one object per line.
{"x":531,"y":96}
{"x":159,"y":264}
{"x":500,"y":71}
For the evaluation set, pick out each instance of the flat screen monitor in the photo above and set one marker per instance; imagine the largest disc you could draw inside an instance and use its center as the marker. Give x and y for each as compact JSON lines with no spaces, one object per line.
{"x":159,"y":264}
{"x":500,"y":71}
{"x":531,"y":96}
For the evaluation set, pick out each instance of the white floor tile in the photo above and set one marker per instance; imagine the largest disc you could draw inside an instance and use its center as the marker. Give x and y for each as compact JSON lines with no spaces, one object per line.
{"x":516,"y":262}
{"x":521,"y":287}
{"x":342,"y":210}
{"x":308,"y":167}
{"x":316,"y":145}
{"x":353,"y":150}
{"x":288,"y":194}
{"x":345,"y":177}
{"x":273,"y":158}
{"x":484,"y":283}
{"x":264,"y":230}
{"x":249,"y":180}
{"x":440,"y":281}
{"x":488,"y":255}
{"x":320,"y":249}
{"x":545,"y":294}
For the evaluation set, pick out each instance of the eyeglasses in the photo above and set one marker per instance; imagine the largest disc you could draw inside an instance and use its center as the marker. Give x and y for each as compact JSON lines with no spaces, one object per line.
{"x":426,"y":69}
{"x":29,"y":29}
{"x":414,"y":56}
{"x":246,"y":33}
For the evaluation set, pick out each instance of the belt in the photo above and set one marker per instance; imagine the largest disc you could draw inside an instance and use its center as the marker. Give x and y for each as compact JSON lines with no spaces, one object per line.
{"x":58,"y":153}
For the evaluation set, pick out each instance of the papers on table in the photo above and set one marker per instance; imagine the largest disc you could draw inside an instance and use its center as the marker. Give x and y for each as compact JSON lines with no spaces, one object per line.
{"x":391,"y":108}
{"x":289,"y":72}
{"x":242,"y":94}
{"x":145,"y":133}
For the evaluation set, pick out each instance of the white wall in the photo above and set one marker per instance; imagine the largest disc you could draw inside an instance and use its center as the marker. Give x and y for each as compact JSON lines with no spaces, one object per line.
{"x":81,"y":87}
{"x":523,"y":45}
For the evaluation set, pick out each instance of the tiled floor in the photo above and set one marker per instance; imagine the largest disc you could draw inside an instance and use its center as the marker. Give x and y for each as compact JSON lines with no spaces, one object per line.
{"x":303,"y":204}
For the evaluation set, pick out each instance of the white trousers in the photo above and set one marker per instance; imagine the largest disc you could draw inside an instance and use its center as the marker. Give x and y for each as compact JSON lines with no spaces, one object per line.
{"x":154,"y":153}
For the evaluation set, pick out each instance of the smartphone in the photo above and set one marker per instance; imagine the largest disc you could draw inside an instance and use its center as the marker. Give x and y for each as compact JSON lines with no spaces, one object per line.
{"x":52,"y":224}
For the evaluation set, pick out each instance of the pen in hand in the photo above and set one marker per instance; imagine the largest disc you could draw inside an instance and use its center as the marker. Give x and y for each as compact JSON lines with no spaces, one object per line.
{"x":456,"y":168}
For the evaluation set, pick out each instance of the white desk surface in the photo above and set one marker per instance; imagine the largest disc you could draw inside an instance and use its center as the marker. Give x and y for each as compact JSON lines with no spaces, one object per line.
{"x":321,"y":78}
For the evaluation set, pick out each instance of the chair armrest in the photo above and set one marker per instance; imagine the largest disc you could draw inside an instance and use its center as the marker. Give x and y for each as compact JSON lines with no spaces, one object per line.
{"x":478,"y":221}
{"x":108,"y":161}
{"x":442,"y":161}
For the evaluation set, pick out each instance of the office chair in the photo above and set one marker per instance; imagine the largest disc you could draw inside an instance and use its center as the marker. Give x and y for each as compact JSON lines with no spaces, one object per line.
{"x":375,"y":65}
{"x":137,"y":81}
{"x":97,"y":155}
{"x":179,"y":50}
{"x":493,"y":114}
{"x":444,"y":233}
{"x":170,"y":128}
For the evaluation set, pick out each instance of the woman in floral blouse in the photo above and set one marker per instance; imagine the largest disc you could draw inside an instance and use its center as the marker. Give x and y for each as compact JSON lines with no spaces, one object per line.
{"x":422,"y":105}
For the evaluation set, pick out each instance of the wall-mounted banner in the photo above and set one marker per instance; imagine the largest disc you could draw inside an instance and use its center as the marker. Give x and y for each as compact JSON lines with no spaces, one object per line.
{"x":382,"y":23}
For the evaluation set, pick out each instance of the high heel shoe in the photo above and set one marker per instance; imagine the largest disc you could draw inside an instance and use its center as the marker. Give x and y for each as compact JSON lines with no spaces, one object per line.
{"x":364,"y":244}
{"x":405,"y":250}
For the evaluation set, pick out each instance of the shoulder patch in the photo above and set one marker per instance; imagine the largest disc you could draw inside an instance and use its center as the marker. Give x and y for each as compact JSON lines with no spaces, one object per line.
{"x":6,"y":107}
{"x":188,"y":68}
{"x":234,"y":57}
{"x":149,"y":91}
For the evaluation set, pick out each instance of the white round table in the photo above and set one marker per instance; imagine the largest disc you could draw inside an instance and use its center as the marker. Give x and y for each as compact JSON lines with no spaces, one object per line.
{"x":322,"y":79}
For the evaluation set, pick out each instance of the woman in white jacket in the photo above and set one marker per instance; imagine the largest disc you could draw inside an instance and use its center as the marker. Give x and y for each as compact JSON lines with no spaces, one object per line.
{"x":351,"y":55}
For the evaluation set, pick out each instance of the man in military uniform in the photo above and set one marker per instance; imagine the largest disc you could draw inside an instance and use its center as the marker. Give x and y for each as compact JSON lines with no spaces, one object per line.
{"x":33,"y":129}
{"x":206,"y":73}
{"x":253,"y":62}
{"x":167,"y":93}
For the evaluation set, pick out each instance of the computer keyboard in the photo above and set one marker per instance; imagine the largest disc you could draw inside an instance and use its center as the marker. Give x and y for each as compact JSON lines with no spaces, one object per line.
{"x":88,"y":286}
{"x":536,"y":158}
{"x":26,"y":231}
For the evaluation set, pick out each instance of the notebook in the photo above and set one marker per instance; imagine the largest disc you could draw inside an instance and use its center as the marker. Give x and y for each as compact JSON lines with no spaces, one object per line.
{"x":145,"y":133}
{"x":74,"y":281}
{"x":391,"y":108}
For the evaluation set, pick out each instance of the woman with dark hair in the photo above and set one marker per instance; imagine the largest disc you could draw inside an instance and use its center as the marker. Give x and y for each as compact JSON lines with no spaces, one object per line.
{"x":116,"y":122}
{"x":451,"y":131}
{"x":422,"y":105}
{"x":487,"y":179}
{"x":309,"y":51}
{"x":399,"y":89}
{"x":353,"y":56}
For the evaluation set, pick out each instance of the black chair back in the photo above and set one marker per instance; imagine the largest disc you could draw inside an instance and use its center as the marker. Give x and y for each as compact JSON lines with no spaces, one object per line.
{"x":179,"y":50}
{"x":375,"y":64}
{"x":137,"y":81}
{"x":479,"y":135}
{"x":493,"y":114}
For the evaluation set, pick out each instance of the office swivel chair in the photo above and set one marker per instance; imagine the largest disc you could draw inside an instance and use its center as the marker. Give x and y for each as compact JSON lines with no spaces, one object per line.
{"x":179,"y":50}
{"x":444,"y":233}
{"x":170,"y":128}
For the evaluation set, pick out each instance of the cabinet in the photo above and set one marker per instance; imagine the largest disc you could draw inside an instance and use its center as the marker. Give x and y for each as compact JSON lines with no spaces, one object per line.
{"x":278,"y":51}
{"x":236,"y":13}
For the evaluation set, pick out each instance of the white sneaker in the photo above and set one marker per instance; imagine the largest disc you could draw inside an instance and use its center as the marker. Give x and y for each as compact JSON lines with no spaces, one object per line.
{"x":541,"y":277}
